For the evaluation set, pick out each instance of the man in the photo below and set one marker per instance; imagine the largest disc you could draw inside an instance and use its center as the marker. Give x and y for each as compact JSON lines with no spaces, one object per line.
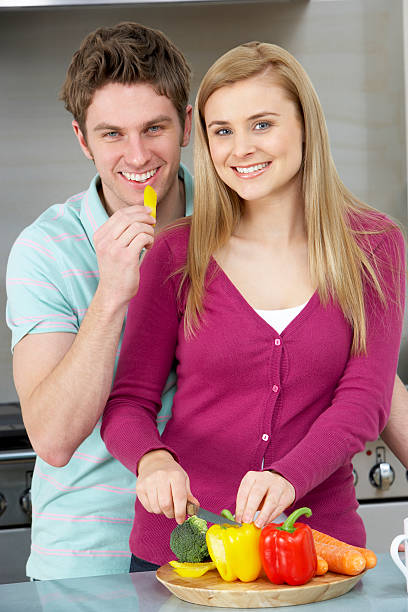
{"x":71,"y":275}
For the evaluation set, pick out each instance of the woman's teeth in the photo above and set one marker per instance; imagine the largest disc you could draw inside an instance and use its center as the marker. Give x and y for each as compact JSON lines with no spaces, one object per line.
{"x":139,"y":178}
{"x":251,"y":168}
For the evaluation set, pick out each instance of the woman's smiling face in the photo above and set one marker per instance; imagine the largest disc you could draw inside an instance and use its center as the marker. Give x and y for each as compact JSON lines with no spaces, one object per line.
{"x":255,"y":137}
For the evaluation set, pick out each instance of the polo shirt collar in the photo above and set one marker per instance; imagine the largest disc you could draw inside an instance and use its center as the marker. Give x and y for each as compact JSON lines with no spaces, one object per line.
{"x":93,"y":214}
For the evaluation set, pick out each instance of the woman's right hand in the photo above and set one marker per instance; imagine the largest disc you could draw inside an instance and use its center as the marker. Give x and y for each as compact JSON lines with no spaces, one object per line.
{"x":163,"y":487}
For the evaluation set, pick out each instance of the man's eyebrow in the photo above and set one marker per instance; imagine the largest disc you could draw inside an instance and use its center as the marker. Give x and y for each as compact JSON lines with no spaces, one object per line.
{"x":115,"y":128}
{"x":251,"y":118}
{"x":106,"y":126}
{"x":158,"y":119}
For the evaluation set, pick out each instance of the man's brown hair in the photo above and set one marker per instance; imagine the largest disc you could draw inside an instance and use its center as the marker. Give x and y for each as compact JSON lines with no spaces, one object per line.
{"x":126,"y":53}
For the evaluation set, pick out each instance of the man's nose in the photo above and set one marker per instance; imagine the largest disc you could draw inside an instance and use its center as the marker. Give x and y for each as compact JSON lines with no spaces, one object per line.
{"x":137,"y":154}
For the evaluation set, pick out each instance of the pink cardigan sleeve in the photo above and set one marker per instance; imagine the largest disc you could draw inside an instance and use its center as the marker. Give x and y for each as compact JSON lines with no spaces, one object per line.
{"x":129,"y":427}
{"x":362,"y":400}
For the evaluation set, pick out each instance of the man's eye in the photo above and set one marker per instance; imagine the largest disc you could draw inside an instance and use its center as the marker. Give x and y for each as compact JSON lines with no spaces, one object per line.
{"x":111,"y":134}
{"x":262,"y":125}
{"x":153,"y":129}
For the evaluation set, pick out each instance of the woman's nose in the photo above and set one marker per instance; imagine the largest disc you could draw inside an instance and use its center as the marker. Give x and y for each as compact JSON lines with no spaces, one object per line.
{"x":243,"y":145}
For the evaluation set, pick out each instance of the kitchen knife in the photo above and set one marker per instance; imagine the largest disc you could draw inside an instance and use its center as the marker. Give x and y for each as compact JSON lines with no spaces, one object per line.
{"x":210,"y":517}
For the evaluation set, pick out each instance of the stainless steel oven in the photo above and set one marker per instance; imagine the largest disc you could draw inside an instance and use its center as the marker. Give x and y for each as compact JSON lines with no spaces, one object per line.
{"x":382,"y":490}
{"x":17,"y":460}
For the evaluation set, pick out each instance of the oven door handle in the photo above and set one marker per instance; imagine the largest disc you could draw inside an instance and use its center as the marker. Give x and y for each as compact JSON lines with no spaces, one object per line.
{"x":17,"y":455}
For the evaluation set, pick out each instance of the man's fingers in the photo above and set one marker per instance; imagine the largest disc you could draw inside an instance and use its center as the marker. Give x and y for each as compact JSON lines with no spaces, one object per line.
{"x":124,"y":217}
{"x":129,"y":233}
{"x":117,"y":225}
{"x":140,"y":242}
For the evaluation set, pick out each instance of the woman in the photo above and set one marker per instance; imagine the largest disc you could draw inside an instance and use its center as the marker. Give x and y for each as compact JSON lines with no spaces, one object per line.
{"x":281,"y":301}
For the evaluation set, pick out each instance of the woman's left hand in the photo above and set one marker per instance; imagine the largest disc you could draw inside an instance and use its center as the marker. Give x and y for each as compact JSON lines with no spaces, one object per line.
{"x":276,"y":492}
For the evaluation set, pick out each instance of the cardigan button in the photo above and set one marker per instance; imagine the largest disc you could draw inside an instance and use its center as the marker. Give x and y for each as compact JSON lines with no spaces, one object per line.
{"x":277,"y":342}
{"x":275,"y":388}
{"x":265,"y":437}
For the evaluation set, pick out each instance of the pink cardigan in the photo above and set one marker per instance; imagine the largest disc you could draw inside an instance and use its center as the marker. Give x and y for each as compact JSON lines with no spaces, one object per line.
{"x":294,"y":402}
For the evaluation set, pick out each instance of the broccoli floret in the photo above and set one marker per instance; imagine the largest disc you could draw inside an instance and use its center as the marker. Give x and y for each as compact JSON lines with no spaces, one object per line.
{"x":187,"y":541}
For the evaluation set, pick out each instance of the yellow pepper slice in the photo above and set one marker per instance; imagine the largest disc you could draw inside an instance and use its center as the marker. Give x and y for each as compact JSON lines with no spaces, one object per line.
{"x":150,"y":199}
{"x":235,"y":551}
{"x":192,"y":570}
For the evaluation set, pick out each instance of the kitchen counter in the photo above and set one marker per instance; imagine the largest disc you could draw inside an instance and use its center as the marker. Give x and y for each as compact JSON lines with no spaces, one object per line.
{"x":382,"y":588}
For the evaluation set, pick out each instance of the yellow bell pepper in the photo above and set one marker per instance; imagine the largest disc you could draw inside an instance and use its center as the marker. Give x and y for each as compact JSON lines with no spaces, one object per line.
{"x":150,"y":199}
{"x":192,"y":570}
{"x":235,"y":551}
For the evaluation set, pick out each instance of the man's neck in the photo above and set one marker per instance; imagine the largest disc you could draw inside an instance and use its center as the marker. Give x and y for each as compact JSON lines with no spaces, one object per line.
{"x":173,"y":207}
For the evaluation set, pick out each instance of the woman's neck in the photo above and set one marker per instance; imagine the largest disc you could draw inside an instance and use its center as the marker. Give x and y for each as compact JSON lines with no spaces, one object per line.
{"x":280,"y":219}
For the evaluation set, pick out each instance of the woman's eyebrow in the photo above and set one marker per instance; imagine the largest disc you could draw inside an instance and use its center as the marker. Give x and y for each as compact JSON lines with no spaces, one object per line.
{"x":251,"y":118}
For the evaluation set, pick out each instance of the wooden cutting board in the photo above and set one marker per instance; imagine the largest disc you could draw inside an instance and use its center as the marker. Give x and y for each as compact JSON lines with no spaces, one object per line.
{"x":211,"y":590}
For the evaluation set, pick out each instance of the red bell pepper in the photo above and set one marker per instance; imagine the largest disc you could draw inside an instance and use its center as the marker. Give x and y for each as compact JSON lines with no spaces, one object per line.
{"x":287,"y":550}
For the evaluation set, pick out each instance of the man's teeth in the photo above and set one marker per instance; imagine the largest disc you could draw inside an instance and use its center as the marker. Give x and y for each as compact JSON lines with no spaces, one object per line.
{"x":251,"y":168}
{"x":139,"y":177}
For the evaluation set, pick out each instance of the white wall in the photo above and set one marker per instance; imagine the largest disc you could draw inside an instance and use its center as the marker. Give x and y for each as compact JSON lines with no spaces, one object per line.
{"x":352,"y":49}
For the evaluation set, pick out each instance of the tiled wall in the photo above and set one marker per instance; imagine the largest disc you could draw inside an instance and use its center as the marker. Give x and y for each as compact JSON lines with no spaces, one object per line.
{"x":352,"y":49}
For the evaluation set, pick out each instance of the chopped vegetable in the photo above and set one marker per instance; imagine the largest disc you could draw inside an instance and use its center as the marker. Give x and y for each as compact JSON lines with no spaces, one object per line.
{"x":369,"y":555}
{"x":322,"y":566}
{"x":192,"y":570}
{"x":150,"y":199}
{"x":235,"y":551}
{"x":227,"y":514}
{"x":188,"y":541}
{"x":340,"y":559}
{"x":288,"y":552}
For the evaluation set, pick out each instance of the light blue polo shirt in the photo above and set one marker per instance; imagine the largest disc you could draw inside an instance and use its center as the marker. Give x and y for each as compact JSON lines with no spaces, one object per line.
{"x":83,"y":512}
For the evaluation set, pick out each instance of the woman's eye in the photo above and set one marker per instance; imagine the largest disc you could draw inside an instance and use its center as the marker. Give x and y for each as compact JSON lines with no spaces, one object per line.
{"x":223,"y":132}
{"x":262,"y":125}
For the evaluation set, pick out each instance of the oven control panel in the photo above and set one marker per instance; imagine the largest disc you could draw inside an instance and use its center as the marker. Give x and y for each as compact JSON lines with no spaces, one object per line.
{"x":378,"y":474}
{"x":16,"y":470}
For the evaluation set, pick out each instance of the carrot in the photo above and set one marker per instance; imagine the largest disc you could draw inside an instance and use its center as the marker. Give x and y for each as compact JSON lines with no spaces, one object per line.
{"x":322,"y":566}
{"x":369,"y":555}
{"x":340,"y":559}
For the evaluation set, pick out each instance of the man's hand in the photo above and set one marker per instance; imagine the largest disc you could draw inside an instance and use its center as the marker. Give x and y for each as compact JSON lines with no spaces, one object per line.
{"x":118,"y":244}
{"x":276,"y":492}
{"x":163,"y":487}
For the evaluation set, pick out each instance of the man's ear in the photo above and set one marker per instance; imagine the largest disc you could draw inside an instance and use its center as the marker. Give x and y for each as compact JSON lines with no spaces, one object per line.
{"x":81,"y":139}
{"x":187,"y":126}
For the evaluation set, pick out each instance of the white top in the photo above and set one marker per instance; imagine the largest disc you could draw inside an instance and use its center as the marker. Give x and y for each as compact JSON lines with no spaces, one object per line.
{"x":280,"y":318}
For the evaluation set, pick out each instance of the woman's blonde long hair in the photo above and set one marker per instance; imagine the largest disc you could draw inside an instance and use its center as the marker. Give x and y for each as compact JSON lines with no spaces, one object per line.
{"x":338,"y":265}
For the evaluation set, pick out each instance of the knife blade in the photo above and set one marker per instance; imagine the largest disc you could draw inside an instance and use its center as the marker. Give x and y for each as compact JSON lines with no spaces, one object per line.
{"x":210,"y":517}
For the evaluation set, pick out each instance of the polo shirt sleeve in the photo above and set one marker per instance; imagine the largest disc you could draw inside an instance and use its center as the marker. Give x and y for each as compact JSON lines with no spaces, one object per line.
{"x":129,"y":427}
{"x":362,"y":400}
{"x":37,"y":300}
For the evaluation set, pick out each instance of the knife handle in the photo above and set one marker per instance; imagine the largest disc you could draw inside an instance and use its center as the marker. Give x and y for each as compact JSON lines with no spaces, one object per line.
{"x":191,"y":509}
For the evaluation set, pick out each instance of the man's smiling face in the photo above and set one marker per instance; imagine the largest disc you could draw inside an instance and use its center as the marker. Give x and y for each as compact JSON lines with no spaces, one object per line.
{"x":134,"y":137}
